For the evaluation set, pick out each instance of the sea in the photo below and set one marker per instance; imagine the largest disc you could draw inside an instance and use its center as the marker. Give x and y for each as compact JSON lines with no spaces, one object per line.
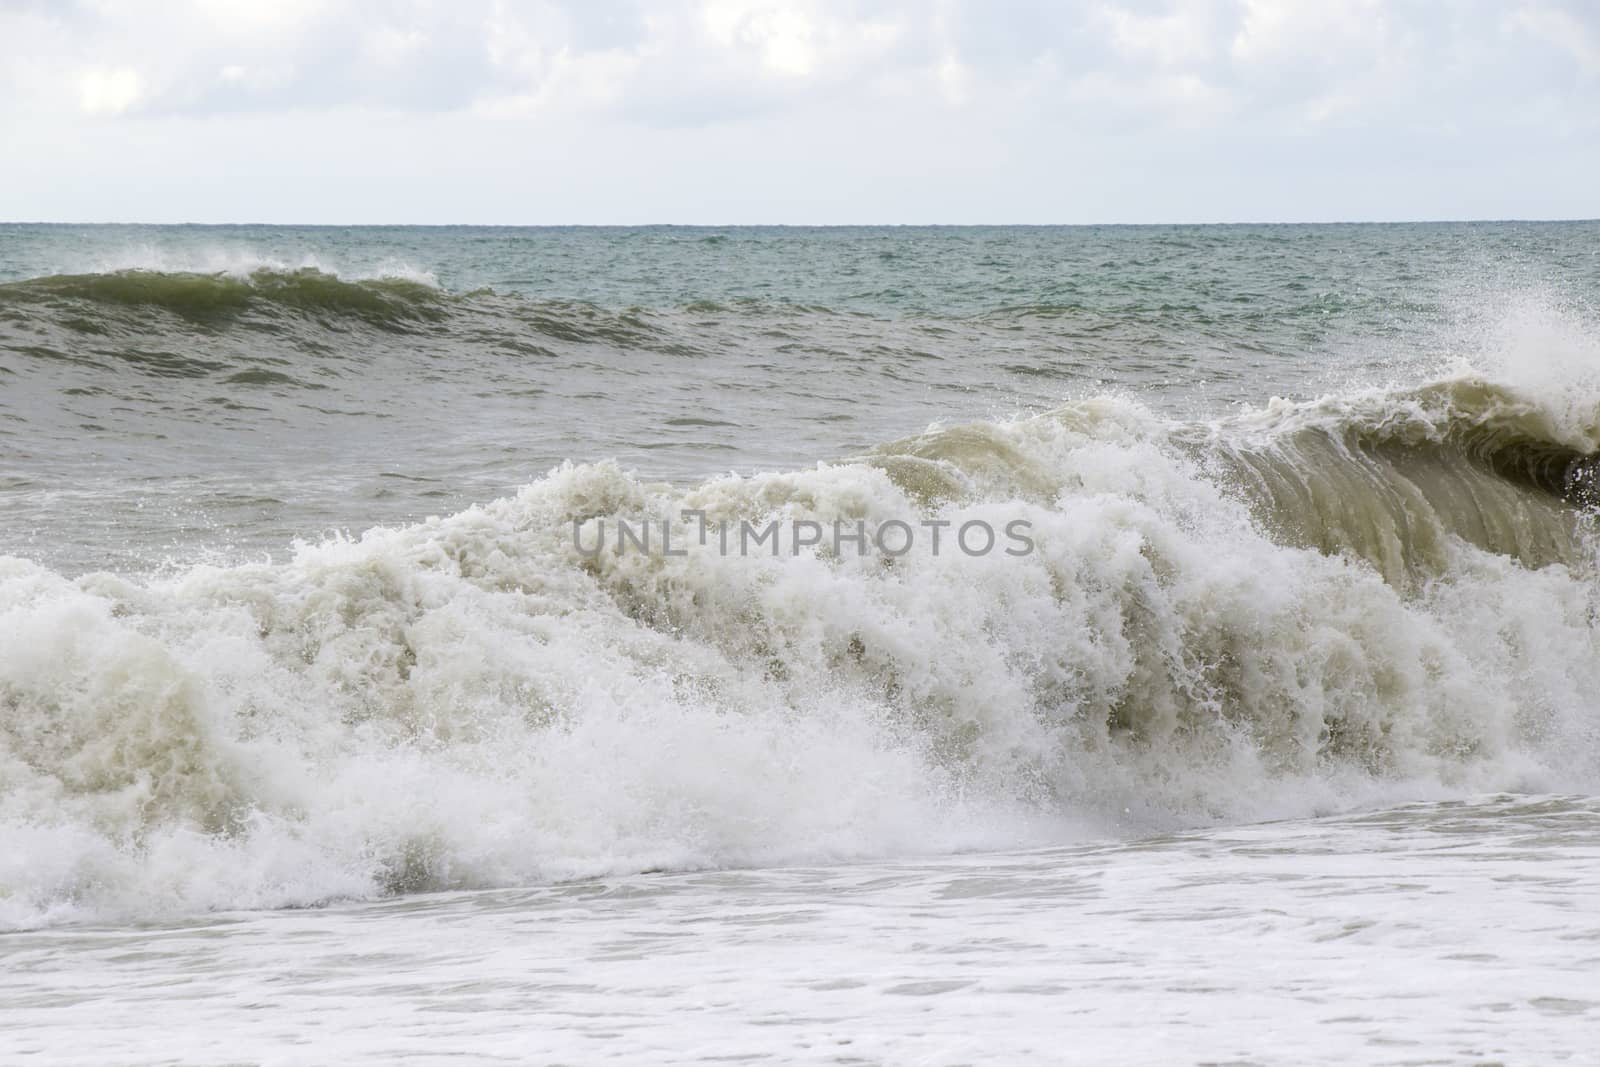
{"x":904,"y":645}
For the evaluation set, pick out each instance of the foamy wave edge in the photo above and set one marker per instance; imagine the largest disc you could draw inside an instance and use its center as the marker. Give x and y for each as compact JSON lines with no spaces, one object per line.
{"x":474,"y":701}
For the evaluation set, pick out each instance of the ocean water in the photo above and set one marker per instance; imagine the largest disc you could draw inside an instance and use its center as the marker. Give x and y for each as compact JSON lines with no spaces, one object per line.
{"x":327,"y":736}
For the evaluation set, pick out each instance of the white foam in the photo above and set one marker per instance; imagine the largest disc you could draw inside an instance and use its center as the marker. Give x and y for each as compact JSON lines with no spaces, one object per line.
{"x":470,"y":702}
{"x":240,"y":262}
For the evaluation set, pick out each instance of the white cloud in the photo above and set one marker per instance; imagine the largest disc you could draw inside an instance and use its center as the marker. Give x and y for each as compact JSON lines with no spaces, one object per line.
{"x":1291,"y":31}
{"x":390,"y":46}
{"x":109,"y":90}
{"x":1182,"y":35}
{"x":1563,"y":31}
{"x":782,"y":34}
{"x":994,"y":86}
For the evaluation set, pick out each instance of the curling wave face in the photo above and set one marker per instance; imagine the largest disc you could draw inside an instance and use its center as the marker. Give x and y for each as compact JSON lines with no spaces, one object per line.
{"x":1288,"y":611}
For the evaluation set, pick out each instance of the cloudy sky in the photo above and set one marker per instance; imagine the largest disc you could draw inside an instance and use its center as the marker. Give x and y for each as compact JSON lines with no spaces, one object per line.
{"x":798,"y":111}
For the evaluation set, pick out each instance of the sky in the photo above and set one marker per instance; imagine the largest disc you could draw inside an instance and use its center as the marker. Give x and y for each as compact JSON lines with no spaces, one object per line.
{"x":798,"y":111}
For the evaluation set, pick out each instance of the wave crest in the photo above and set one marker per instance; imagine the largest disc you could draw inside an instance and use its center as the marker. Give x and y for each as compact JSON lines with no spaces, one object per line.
{"x":220,"y":297}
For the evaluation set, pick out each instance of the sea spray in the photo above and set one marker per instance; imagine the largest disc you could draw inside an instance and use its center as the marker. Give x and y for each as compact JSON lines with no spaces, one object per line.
{"x":473,"y":701}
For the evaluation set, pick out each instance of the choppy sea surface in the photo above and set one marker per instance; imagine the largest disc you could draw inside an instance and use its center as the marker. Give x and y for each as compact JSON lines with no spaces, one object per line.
{"x":325,"y":738}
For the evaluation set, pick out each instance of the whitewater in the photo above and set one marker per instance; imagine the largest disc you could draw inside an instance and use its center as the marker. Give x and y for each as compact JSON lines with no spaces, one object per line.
{"x":1281,"y":743}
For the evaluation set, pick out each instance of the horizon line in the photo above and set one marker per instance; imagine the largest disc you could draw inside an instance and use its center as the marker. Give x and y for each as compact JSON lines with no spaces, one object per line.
{"x":804,"y":225}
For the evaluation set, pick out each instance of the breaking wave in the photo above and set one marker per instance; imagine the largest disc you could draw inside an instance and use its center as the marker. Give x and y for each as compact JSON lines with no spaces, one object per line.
{"x":224,"y":296}
{"x":308,"y":310}
{"x":1295,"y":609}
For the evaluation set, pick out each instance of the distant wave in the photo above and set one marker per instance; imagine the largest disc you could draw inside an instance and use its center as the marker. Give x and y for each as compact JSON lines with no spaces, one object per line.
{"x":216,"y":298}
{"x":268,"y":301}
{"x":237,"y":262}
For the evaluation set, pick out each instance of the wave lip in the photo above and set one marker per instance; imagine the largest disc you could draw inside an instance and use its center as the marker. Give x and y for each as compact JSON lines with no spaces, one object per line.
{"x":1394,"y":477}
